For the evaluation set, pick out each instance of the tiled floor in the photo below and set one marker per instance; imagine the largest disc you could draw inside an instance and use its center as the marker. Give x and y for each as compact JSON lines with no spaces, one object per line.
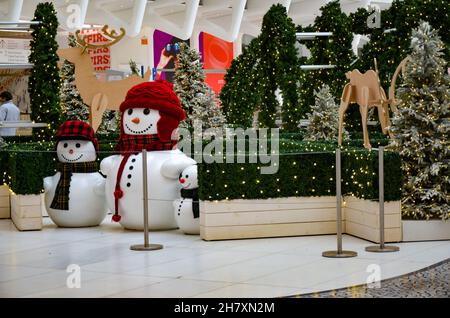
{"x":33,"y":264}
{"x":430,"y":282}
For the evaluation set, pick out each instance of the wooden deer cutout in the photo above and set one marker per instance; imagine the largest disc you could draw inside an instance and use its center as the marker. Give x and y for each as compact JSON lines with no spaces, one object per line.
{"x":400,"y":69}
{"x":366,"y":91}
{"x":98,"y":95}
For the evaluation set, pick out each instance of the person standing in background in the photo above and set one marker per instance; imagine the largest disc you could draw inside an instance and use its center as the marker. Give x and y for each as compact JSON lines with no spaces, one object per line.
{"x":8,"y":112}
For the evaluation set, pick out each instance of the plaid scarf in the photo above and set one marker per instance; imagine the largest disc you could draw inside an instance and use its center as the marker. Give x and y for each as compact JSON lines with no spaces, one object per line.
{"x":61,"y":199}
{"x":192,"y":194}
{"x":129,"y":144}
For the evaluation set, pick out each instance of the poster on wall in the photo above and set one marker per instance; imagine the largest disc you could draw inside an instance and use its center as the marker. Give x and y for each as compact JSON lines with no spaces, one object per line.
{"x":14,"y":51}
{"x":101,"y":58}
{"x":165,"y":50}
{"x":217,"y":55}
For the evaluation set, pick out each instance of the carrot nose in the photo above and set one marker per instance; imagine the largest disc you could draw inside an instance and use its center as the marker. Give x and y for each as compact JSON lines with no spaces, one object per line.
{"x":182,"y":180}
{"x":71,"y":151}
{"x":136,"y":120}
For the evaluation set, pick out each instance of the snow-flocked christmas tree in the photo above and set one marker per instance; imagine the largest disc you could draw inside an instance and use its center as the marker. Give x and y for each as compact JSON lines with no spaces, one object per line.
{"x":200,"y":104}
{"x":71,"y":102}
{"x":324,"y":119}
{"x":421,"y":128}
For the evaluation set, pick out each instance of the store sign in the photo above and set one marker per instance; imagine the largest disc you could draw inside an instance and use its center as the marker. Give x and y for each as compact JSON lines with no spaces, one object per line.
{"x":101,"y":58}
{"x":14,"y":51}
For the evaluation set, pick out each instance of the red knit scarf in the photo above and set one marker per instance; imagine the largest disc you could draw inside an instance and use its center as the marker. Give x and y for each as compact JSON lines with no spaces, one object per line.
{"x":129,"y":144}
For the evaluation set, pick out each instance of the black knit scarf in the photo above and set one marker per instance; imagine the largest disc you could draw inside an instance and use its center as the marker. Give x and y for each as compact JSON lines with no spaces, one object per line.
{"x":61,"y":199}
{"x":192,"y":194}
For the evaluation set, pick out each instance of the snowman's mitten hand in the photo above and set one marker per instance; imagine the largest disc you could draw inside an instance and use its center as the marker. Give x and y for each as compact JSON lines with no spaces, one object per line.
{"x":172,"y":168}
{"x":99,"y":188}
{"x":106,"y":164}
{"x":47,"y":183}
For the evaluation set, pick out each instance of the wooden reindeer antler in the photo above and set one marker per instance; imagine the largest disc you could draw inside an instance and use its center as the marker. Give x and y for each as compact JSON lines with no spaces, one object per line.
{"x":109,"y":34}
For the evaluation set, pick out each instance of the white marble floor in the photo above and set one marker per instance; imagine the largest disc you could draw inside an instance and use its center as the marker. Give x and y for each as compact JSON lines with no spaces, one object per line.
{"x":34,"y":264}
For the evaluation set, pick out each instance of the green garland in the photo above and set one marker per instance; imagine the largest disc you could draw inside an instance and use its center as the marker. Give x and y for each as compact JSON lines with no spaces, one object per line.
{"x":269,"y":63}
{"x":335,"y":50}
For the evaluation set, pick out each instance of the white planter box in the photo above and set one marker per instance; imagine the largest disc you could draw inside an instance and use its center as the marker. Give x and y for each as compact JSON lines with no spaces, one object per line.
{"x":26,"y":211}
{"x":5,"y":207}
{"x":296,"y":216}
{"x":416,"y":230}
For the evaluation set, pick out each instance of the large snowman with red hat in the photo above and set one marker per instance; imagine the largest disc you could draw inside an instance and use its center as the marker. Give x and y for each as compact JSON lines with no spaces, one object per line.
{"x":150,"y":117}
{"x":75,"y":195}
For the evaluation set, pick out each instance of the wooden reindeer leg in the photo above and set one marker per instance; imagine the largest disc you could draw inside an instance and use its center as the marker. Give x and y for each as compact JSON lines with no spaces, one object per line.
{"x":98,"y":107}
{"x":364,"y":109}
{"x":382,"y":117}
{"x":345,"y":101}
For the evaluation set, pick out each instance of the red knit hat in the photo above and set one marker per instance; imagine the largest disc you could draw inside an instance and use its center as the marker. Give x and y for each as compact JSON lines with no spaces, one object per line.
{"x":76,"y":129}
{"x":157,"y":95}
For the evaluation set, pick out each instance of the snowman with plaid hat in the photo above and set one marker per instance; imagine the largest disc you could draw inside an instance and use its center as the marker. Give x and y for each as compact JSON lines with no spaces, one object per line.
{"x":75,"y":195}
{"x":150,"y":117}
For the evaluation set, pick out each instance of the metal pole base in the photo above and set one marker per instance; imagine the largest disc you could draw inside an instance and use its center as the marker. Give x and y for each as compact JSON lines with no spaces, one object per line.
{"x":142,"y":247}
{"x":379,"y":249}
{"x":337,"y":254}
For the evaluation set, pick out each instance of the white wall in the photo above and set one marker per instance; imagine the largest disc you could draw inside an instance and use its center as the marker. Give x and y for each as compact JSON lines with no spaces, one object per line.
{"x":131,"y":48}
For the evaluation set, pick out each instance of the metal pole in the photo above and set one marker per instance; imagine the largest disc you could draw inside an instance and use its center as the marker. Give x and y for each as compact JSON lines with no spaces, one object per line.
{"x":381,"y":192}
{"x":382,"y":247}
{"x":339,"y":253}
{"x":339,"y":200}
{"x":147,"y":246}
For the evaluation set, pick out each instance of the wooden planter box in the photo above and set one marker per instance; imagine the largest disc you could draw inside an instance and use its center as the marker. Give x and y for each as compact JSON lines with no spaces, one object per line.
{"x":238,"y":219}
{"x":433,"y":230}
{"x":5,"y":208}
{"x":26,"y":211}
{"x":296,"y":216}
{"x":362,"y":219}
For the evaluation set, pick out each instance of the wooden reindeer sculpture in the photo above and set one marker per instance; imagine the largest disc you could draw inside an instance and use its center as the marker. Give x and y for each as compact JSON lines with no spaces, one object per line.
{"x":98,"y":95}
{"x":366,"y":91}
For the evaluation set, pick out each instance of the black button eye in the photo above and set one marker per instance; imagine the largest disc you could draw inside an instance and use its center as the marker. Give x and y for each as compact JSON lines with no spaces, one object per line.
{"x":146,"y":111}
{"x":77,"y":145}
{"x":181,"y":176}
{"x":187,"y":176}
{"x":65,"y":145}
{"x":130,"y":111}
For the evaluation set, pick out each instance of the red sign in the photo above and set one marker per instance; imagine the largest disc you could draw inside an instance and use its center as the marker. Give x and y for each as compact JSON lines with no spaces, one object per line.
{"x":101,"y":58}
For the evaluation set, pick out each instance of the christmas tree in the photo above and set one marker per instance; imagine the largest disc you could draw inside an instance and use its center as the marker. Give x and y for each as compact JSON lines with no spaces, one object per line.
{"x":198,"y":102}
{"x":324,"y":119}
{"x":44,"y":83}
{"x":71,"y":102}
{"x":133,"y":68}
{"x":421,"y":128}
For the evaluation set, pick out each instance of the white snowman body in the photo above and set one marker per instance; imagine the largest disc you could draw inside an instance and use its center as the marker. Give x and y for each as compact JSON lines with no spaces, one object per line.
{"x":163,"y":168}
{"x":184,"y":212}
{"x":87,"y":194}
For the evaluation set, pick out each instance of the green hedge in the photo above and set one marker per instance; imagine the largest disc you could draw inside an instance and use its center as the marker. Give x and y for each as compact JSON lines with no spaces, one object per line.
{"x":26,"y":164}
{"x":302,"y":174}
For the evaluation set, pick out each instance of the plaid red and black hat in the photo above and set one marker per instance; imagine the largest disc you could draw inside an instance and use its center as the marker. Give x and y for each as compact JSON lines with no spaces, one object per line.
{"x":76,"y":130}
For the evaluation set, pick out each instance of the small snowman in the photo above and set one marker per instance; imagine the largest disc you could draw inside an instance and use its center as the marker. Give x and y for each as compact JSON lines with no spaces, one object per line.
{"x":151,"y":114}
{"x":187,"y":209}
{"x":75,"y":195}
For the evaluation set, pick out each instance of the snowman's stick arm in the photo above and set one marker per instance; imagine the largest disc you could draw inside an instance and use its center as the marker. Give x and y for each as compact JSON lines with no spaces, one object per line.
{"x":172,"y":168}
